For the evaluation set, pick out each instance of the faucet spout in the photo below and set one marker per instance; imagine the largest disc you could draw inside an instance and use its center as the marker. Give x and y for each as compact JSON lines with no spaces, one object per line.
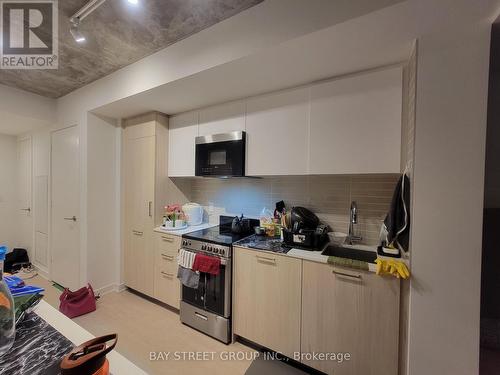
{"x":352,"y":238}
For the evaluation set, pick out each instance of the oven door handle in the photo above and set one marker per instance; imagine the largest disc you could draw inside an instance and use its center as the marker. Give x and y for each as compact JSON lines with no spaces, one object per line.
{"x":201,"y":316}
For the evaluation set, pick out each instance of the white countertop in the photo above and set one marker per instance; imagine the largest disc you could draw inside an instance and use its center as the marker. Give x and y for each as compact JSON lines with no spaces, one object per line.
{"x":185,"y":231}
{"x":118,"y":364}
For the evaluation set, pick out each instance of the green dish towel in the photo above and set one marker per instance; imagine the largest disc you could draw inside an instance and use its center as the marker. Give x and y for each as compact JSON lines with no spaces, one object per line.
{"x":350,"y":263}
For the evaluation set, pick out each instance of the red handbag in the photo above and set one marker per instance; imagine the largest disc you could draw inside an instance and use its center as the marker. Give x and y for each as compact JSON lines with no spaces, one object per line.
{"x":73,"y":304}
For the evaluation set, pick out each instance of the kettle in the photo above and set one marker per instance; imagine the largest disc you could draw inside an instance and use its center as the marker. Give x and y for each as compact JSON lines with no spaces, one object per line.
{"x":241,"y":225}
{"x":194,"y":213}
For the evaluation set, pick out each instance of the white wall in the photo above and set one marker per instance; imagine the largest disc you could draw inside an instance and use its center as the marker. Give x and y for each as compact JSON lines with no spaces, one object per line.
{"x":103,"y":254}
{"x":8,"y":192}
{"x":22,"y":112}
{"x":452,"y":87}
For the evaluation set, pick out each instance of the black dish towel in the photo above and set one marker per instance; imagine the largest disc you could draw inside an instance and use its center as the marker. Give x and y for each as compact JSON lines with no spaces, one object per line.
{"x":397,"y":221}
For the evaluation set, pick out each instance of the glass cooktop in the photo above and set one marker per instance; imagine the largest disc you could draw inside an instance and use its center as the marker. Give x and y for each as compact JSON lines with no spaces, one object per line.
{"x":221,"y":234}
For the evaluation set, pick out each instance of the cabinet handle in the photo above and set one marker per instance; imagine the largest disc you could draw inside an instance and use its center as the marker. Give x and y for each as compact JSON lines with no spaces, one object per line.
{"x":264,"y":259}
{"x":168,"y":239}
{"x":167,"y":274}
{"x":137,"y":233}
{"x":150,"y":209}
{"x":346,"y":274}
{"x":167,"y":257}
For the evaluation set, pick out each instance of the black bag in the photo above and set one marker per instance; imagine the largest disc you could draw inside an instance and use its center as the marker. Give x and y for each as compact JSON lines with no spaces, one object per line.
{"x":15,"y":260}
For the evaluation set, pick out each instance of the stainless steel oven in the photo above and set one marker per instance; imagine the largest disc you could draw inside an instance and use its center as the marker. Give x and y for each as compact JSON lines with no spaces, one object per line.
{"x":221,"y":155}
{"x":208,"y":307}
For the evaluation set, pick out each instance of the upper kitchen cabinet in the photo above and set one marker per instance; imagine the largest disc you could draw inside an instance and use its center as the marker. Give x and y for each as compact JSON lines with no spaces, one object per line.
{"x":356,"y":124}
{"x":183,"y":130}
{"x":278,"y":133}
{"x":223,"y":118}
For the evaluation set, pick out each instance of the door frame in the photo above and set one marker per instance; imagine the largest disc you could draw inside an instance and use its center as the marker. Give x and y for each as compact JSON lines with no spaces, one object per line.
{"x":31,"y":214}
{"x":82,"y":256}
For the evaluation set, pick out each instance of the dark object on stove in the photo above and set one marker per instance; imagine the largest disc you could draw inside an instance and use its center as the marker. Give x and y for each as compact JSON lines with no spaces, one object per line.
{"x":310,"y":239}
{"x":241,"y":225}
{"x":260,"y":231}
{"x":303,"y":219}
{"x":15,"y":260}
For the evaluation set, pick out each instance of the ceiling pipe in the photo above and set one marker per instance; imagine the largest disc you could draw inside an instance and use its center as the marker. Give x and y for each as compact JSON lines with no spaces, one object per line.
{"x":86,"y":10}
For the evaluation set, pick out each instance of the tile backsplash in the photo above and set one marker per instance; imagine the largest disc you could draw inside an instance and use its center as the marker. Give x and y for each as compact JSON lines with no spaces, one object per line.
{"x":329,"y":196}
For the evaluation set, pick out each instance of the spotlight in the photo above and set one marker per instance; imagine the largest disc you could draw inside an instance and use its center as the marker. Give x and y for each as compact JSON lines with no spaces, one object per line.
{"x":133,"y":2}
{"x":75,"y":31}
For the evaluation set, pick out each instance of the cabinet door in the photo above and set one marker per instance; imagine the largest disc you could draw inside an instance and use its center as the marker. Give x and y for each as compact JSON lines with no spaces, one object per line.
{"x":183,"y":130}
{"x":139,"y":157}
{"x":267,"y":299}
{"x":353,"y":312}
{"x":278,"y":133}
{"x":223,"y":118}
{"x":356,"y":124}
{"x":167,"y":286}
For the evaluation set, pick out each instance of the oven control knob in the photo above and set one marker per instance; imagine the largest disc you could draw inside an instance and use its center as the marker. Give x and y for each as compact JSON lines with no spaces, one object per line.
{"x":209,"y":248}
{"x":203,"y":247}
{"x":184,"y":243}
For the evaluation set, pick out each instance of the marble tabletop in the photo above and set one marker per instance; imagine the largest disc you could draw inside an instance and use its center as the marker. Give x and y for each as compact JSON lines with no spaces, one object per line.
{"x":37,"y":353}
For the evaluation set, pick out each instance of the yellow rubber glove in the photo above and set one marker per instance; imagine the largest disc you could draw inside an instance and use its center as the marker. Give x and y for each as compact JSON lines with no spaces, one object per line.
{"x":393,"y":268}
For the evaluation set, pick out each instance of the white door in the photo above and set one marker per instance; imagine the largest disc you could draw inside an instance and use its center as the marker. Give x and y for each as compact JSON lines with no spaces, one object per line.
{"x":24,"y":201}
{"x":65,"y":214}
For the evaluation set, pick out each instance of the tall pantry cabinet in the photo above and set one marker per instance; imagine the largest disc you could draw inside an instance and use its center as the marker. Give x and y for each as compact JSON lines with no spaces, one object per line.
{"x":144,"y":167}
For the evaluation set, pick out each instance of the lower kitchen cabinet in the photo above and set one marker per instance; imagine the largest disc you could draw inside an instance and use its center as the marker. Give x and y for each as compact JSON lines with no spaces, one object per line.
{"x":139,"y":261}
{"x":166,"y":285}
{"x":267,"y":299}
{"x":353,"y":312}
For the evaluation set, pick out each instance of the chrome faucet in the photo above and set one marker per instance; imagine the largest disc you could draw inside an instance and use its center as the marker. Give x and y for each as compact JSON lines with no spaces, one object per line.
{"x":351,"y":238}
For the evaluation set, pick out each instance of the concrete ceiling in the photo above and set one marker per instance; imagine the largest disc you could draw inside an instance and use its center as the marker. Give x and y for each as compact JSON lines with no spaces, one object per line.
{"x":119,"y":34}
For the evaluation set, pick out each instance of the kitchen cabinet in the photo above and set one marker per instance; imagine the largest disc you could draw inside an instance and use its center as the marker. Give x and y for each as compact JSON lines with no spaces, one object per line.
{"x":223,"y":118}
{"x":355,"y":124}
{"x":277,"y":128}
{"x":267,"y":299}
{"x":144,"y":166}
{"x":350,"y":311}
{"x":183,"y":130}
{"x":166,"y":285}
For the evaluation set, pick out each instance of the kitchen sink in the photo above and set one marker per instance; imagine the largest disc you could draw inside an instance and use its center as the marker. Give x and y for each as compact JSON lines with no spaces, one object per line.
{"x":350,"y":253}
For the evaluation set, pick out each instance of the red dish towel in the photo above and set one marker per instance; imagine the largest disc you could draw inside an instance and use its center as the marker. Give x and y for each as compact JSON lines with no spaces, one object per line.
{"x":207,"y":264}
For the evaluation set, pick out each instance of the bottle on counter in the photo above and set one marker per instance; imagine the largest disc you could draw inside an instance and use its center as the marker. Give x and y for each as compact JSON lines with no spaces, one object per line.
{"x":7,"y":311}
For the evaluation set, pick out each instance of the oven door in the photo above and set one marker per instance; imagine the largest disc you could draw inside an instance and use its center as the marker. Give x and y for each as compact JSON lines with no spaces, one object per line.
{"x":221,"y":155}
{"x":213,"y":293}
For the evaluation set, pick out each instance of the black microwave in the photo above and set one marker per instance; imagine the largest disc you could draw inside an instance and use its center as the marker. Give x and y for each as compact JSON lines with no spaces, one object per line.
{"x":221,"y":155}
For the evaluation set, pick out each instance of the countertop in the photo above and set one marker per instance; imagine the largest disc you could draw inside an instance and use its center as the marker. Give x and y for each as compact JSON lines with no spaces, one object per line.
{"x":258,"y":243}
{"x":185,"y":231}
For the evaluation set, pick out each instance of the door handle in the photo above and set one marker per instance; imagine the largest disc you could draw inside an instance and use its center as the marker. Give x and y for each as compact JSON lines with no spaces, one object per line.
{"x":70,"y":218}
{"x":136,"y":232}
{"x":167,"y":274}
{"x":26,"y":209}
{"x":167,"y":257}
{"x":337,"y":273}
{"x":150,"y":208}
{"x":168,"y":239}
